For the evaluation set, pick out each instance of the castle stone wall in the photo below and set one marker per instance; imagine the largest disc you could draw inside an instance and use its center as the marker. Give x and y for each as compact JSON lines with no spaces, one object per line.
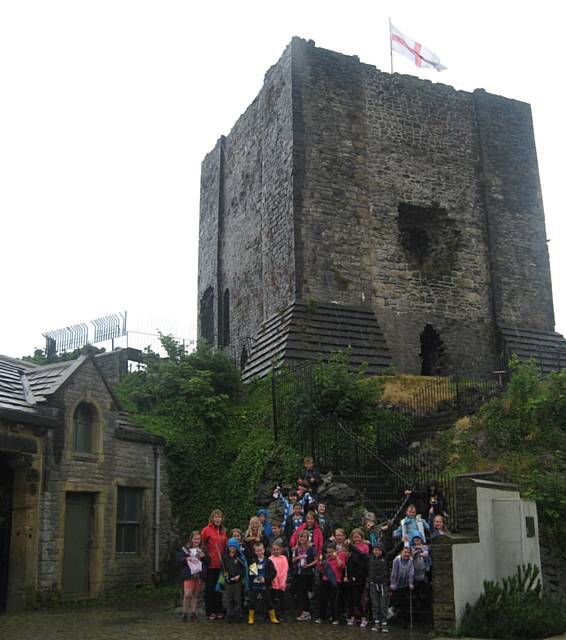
{"x":366,"y":188}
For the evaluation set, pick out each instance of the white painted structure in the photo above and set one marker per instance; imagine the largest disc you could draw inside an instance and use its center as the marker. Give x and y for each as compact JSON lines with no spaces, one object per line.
{"x":508,"y":536}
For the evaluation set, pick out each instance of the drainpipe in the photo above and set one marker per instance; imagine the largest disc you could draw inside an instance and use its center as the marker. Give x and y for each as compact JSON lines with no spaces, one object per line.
{"x":157,"y":512}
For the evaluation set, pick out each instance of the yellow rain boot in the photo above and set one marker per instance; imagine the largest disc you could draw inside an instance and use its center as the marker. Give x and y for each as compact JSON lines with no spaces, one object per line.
{"x":251,"y":615}
{"x":273,"y":617}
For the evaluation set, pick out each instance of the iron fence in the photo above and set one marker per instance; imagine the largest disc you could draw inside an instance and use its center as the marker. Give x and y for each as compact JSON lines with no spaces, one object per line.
{"x":384,"y":459}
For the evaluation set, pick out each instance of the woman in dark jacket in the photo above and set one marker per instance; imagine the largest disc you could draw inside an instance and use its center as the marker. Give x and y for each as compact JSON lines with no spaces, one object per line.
{"x":432,"y":501}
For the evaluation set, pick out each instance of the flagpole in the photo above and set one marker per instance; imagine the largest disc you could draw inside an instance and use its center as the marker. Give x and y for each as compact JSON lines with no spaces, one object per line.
{"x":390,"y":46}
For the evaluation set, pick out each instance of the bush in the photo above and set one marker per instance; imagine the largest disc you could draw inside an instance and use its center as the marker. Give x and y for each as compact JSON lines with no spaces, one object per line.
{"x":514,"y":608}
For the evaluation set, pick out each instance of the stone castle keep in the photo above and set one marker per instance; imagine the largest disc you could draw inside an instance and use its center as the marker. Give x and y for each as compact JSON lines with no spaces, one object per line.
{"x":349,"y":206}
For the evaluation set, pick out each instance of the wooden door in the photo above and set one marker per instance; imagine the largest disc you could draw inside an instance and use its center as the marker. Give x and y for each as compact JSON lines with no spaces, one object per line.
{"x":76,"y":555}
{"x":6,"y":490}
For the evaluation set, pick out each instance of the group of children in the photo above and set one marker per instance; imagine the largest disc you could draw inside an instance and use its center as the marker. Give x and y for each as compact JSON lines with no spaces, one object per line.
{"x":339,"y":577}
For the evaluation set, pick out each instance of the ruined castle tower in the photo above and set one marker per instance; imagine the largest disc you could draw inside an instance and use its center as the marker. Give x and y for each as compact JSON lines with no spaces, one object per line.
{"x":349,"y":206}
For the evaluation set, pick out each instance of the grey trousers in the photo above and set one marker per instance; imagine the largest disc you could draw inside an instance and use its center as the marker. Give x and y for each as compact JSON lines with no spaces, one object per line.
{"x":379,"y":598}
{"x":233,"y":598}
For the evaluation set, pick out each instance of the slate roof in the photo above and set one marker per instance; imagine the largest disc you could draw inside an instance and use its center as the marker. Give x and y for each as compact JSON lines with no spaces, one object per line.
{"x":305,"y":332}
{"x":25,"y":388}
{"x":548,"y":348}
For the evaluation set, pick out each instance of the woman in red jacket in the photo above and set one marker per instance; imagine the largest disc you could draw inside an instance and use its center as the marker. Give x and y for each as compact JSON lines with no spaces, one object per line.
{"x":214,"y":540}
{"x":316,"y":536}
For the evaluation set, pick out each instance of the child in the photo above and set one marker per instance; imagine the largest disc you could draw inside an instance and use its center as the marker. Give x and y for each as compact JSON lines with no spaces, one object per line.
{"x":235,"y":569}
{"x":254,"y":533}
{"x":288,"y":504}
{"x":237,"y":535}
{"x":378,"y":585}
{"x":323,"y":520}
{"x":194,"y":559}
{"x":354,"y":583}
{"x":411,"y":524}
{"x":262,"y":514}
{"x":357,"y":538}
{"x":303,"y":561}
{"x":437,"y":526}
{"x":261,"y":574}
{"x":373,"y":532}
{"x":331,"y":570}
{"x":422,"y":565}
{"x":402,"y":581}
{"x":310,"y":479}
{"x":295,"y":521}
{"x":315,"y":534}
{"x":277,"y":537}
{"x":340,"y":539}
{"x":279,"y":584}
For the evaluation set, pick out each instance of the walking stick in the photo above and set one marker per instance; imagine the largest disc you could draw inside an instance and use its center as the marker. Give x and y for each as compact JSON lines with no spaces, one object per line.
{"x":410,"y":608}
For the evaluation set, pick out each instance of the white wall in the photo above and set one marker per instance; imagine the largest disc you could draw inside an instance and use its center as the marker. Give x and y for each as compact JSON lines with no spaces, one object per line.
{"x":503,"y":543}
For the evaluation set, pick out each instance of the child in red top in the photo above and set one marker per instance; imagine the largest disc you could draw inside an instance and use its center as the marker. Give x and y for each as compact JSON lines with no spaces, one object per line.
{"x":214,"y":540}
{"x":331,"y":570}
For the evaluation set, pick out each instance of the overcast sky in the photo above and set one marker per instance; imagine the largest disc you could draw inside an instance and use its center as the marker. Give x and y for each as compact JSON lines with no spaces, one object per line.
{"x":108,"y":107}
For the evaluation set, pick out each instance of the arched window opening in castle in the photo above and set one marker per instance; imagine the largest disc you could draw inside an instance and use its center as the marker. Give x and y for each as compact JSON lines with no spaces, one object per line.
{"x":207,"y":315}
{"x":226,"y":318}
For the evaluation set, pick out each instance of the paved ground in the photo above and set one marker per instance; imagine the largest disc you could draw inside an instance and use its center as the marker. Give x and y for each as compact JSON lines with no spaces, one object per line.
{"x":160,"y":621}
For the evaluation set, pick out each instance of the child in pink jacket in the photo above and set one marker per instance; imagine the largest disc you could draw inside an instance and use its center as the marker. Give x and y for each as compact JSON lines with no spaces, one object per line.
{"x":279,"y":584}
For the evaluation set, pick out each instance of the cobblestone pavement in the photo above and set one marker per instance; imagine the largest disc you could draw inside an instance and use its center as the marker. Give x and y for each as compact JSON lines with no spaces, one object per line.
{"x":162,"y":622}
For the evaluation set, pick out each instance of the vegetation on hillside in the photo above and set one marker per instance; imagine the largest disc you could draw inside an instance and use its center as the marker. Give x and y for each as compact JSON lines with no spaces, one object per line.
{"x":219,"y":438}
{"x":522,"y":434}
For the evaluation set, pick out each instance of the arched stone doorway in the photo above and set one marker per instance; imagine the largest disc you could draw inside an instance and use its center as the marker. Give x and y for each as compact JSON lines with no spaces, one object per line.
{"x":432,"y":353}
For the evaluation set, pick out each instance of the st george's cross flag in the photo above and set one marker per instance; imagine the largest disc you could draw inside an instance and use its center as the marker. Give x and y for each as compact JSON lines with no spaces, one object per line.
{"x":415,"y":51}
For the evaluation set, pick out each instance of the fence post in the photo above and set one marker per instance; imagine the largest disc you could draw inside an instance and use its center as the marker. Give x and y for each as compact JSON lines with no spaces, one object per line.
{"x":457,"y":381}
{"x":274,"y":408}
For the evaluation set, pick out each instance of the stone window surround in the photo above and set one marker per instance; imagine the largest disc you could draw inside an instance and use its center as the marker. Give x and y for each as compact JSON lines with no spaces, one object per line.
{"x":145,"y":524}
{"x":97,"y":454}
{"x":137,"y":522}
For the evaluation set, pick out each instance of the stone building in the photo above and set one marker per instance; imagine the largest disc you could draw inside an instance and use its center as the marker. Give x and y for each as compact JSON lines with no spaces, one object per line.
{"x":83,"y":508}
{"x":348,"y":206}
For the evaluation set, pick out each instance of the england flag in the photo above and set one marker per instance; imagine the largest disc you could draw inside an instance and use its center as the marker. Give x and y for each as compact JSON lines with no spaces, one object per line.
{"x":415,"y":51}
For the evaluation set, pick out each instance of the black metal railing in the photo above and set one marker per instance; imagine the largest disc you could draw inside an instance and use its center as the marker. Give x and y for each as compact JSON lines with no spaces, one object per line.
{"x":384,"y":460}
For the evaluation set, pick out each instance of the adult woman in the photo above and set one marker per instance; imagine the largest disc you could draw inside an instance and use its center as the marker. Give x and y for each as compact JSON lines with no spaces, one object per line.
{"x":214,"y":540}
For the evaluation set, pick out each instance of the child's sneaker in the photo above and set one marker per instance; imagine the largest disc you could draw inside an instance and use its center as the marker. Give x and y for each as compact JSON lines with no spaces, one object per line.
{"x":364,"y":623}
{"x":336,"y":621}
{"x":384,"y":628}
{"x":375,"y":626}
{"x":350,"y":622}
{"x":184,"y":618}
{"x":318,"y":621}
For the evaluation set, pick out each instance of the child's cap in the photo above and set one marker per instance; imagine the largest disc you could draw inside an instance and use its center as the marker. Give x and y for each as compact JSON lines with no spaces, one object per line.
{"x":378,"y":546}
{"x":416,"y":536}
{"x":232,"y":542}
{"x":263,"y":512}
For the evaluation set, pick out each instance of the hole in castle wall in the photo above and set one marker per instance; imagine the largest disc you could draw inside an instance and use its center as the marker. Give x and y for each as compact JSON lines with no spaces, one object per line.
{"x":428,"y":238}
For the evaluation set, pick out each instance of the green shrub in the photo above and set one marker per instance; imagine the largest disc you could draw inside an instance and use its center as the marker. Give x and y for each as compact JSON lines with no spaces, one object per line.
{"x":514,"y":608}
